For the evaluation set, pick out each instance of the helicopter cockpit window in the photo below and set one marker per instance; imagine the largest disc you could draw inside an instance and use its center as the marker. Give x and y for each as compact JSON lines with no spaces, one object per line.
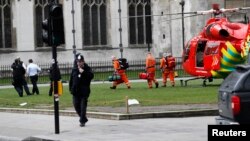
{"x":199,"y":53}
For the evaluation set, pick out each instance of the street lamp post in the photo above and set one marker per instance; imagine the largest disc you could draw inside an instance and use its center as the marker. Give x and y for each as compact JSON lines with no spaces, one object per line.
{"x":182,"y":3}
{"x":73,"y":30}
{"x":120,"y":29}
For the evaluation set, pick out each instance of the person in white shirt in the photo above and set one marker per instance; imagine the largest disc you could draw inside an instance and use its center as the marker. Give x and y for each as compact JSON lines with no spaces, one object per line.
{"x":32,"y":71}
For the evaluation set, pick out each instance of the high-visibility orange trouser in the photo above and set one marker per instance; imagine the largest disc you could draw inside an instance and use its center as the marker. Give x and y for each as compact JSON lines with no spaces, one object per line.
{"x":151,"y":78}
{"x":167,"y":74}
{"x":124,"y":79}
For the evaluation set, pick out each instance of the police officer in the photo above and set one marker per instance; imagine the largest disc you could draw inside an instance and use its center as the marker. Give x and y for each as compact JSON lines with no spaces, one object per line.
{"x":80,"y":80}
{"x":19,"y":81}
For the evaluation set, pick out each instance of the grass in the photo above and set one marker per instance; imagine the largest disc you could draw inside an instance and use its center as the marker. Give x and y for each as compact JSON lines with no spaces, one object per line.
{"x":101,"y":95}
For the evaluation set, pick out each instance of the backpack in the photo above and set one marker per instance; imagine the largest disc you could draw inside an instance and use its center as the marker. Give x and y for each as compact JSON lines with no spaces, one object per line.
{"x":123,"y":63}
{"x":170,"y":62}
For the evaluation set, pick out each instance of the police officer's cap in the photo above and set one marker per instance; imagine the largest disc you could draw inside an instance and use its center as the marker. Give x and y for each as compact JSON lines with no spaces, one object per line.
{"x":80,"y":58}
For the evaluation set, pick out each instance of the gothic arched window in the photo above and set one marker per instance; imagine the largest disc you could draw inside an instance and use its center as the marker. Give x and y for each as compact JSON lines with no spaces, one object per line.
{"x":5,"y":24}
{"x":94,"y":17}
{"x":41,"y":13}
{"x":139,"y":22}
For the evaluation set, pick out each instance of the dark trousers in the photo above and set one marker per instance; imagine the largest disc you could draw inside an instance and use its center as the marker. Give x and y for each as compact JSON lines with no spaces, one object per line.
{"x":19,"y":84}
{"x":19,"y":90}
{"x":51,"y":88}
{"x":80,"y":105}
{"x":33,"y":80}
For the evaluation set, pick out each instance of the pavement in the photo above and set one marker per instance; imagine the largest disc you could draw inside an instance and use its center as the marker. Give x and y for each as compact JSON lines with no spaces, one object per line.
{"x":39,"y":127}
{"x":178,"y":79}
{"x":170,"y":125}
{"x":137,"y":123}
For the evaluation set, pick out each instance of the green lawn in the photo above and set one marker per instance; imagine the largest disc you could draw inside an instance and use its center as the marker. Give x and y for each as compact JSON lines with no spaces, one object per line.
{"x":101,"y":95}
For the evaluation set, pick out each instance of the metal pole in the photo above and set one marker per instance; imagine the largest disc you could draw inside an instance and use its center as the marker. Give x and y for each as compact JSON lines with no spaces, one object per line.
{"x":55,"y":79}
{"x":182,"y":3}
{"x":73,"y":30}
{"x":120,"y":28}
{"x":55,"y":88}
{"x":148,"y":47}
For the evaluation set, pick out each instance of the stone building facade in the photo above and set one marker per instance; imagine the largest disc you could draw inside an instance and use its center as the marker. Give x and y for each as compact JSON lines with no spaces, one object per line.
{"x":145,"y":25}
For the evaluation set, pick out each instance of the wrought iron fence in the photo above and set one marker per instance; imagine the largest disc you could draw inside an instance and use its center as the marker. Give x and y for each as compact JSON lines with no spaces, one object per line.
{"x":102,"y":69}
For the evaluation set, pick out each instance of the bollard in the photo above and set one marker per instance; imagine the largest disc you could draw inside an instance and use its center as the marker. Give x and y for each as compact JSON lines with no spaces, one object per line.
{"x":126,"y":103}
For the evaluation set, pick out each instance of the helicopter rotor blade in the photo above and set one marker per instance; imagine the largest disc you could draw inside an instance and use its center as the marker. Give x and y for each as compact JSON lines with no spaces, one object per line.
{"x":222,"y":10}
{"x":194,"y":13}
{"x":181,"y":17}
{"x":211,"y":11}
{"x":206,"y":12}
{"x":234,"y":9}
{"x":244,"y":8}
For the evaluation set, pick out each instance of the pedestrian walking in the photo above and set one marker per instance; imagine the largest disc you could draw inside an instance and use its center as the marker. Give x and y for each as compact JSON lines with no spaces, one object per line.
{"x":118,"y":70}
{"x":19,"y":81}
{"x":32,"y":71}
{"x":167,"y":66}
{"x":80,"y":81}
{"x":151,"y":69}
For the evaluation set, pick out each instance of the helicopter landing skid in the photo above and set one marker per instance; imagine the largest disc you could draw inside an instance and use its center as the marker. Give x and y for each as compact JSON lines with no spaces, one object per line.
{"x":194,"y":78}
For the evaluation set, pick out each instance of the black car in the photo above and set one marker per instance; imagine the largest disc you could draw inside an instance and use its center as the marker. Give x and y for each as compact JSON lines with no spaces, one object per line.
{"x":234,"y":97}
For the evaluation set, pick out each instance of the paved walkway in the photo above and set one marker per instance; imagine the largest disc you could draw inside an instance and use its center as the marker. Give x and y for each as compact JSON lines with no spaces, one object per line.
{"x":178,"y":79}
{"x":37,"y":127}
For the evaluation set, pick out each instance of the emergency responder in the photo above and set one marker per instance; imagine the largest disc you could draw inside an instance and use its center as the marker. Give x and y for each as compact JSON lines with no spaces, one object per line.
{"x":150,"y":69}
{"x":167,"y":65}
{"x":121,"y":72}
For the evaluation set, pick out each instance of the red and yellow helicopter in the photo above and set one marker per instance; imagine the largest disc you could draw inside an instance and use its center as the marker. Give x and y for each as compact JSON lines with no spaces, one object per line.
{"x":219,"y":47}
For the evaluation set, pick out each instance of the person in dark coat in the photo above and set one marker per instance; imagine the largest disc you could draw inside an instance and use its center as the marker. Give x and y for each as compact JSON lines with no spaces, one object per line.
{"x":53,"y":75}
{"x":80,"y":80}
{"x":19,"y":81}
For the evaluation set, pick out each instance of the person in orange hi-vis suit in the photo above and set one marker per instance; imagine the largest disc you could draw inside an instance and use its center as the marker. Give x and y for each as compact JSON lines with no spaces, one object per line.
{"x":166,"y":70}
{"x":150,"y":69}
{"x":121,"y":72}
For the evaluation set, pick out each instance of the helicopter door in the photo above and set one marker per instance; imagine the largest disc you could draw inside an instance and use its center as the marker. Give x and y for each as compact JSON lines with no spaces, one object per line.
{"x":212,"y":56}
{"x":200,"y":53}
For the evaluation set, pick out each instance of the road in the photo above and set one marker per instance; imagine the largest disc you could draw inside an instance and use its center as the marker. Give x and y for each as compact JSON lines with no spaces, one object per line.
{"x":16,"y":127}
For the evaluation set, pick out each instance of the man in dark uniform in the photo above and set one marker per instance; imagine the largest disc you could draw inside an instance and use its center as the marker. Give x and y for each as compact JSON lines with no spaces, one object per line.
{"x":19,"y":77}
{"x":80,"y":79}
{"x":53,"y":75}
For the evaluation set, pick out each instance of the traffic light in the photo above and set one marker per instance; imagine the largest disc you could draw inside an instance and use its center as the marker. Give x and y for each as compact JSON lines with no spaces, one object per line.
{"x":47,"y":32}
{"x":57,"y":26}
